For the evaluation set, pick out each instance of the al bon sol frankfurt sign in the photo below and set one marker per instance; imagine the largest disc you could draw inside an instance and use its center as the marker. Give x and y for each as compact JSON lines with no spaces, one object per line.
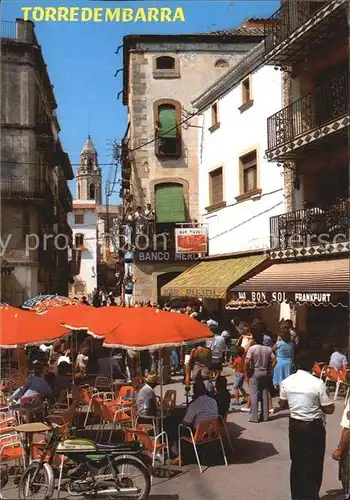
{"x":279,"y":297}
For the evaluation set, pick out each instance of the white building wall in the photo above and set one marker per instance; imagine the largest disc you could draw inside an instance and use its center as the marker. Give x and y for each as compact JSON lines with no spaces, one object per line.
{"x":88,"y":268}
{"x":241,"y":225}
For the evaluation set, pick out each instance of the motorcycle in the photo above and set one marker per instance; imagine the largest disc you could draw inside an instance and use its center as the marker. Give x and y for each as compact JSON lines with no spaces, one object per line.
{"x":95,"y":470}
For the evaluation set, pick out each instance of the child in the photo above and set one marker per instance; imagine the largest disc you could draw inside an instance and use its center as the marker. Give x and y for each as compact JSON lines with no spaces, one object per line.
{"x":238,"y":366}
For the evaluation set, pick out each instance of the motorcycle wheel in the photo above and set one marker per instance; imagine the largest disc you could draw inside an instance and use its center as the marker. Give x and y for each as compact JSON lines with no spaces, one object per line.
{"x":140,"y":479}
{"x":37,"y":482}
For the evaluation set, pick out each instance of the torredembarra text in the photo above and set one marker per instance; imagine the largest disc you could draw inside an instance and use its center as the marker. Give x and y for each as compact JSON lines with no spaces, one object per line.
{"x":100,"y":14}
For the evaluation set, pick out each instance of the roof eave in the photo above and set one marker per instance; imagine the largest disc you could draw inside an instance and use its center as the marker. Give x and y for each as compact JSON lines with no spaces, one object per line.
{"x":129,"y":41}
{"x":249,"y":63}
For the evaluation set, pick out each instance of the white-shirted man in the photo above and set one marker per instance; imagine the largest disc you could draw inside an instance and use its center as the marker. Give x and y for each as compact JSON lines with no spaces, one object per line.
{"x":307,"y":399}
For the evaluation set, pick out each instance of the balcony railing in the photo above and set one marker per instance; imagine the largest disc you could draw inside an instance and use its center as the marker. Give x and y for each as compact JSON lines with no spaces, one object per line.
{"x":168,"y":147}
{"x":291,"y":16}
{"x":43,"y":125}
{"x":325,"y":104}
{"x":310,"y":227}
{"x":24,"y":188}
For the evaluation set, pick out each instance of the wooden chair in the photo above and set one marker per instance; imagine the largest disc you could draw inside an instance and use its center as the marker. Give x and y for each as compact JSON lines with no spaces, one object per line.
{"x":206,"y":432}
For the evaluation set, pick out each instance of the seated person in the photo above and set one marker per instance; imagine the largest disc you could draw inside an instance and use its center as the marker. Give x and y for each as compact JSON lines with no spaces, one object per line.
{"x":222,"y":396}
{"x":203,"y":407}
{"x":338,"y":359}
{"x":146,"y":401}
{"x":62,"y":380}
{"x":35,"y":385}
{"x":204,"y":376}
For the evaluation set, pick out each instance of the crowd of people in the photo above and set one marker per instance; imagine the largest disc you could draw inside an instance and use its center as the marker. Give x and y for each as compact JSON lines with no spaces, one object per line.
{"x":265,"y":365}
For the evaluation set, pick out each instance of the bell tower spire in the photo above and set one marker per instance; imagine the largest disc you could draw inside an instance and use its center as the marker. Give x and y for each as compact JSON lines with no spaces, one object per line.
{"x":89,"y":177}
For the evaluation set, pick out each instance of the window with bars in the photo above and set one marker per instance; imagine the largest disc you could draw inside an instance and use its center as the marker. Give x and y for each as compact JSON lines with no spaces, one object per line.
{"x":216,"y":186}
{"x":249,"y":172}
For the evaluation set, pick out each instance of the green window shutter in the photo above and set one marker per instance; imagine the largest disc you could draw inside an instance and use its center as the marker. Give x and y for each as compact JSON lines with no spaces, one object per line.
{"x":167,"y":121}
{"x":170,"y":203}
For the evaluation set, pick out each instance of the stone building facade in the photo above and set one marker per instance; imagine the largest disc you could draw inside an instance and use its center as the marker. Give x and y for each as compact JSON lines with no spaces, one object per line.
{"x":162,"y":76}
{"x":35,"y":198}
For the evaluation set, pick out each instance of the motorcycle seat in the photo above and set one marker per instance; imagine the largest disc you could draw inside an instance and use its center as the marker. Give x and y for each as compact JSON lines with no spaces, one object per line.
{"x":117,"y":448}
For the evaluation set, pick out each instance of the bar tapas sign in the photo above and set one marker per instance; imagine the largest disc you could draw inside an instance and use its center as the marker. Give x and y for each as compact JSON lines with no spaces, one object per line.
{"x":310,"y":298}
{"x":191,"y":240}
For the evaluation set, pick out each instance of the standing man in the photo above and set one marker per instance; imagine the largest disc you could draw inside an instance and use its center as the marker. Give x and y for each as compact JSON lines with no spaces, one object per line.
{"x":307,"y":399}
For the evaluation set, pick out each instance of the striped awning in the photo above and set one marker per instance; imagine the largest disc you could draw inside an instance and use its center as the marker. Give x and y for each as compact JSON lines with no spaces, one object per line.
{"x":314,"y":282}
{"x":212,"y":278}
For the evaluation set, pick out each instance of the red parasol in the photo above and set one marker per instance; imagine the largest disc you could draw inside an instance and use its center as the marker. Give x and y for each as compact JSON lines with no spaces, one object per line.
{"x":19,"y":327}
{"x":142,"y":328}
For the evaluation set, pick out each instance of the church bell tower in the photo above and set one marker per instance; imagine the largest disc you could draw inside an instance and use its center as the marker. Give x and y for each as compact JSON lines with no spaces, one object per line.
{"x":89,"y":177}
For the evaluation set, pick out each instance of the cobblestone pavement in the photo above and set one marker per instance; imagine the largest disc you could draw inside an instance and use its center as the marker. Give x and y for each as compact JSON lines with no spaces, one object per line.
{"x":258,"y":470}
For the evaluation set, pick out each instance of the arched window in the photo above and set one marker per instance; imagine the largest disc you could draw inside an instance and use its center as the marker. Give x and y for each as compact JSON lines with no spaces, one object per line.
{"x":92,"y":192}
{"x":221,"y":63}
{"x":167,"y":116}
{"x":170,"y":202}
{"x":165,"y":62}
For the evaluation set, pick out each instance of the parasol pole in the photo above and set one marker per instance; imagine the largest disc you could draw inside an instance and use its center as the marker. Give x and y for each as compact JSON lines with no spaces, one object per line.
{"x":161,"y":397}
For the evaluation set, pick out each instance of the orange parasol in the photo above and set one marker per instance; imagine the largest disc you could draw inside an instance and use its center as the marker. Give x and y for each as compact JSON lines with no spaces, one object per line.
{"x":19,"y":327}
{"x":142,"y":328}
{"x":73,"y":316}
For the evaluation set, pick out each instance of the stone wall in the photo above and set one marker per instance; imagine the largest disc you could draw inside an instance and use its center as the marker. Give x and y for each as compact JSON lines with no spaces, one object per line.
{"x":196,"y":63}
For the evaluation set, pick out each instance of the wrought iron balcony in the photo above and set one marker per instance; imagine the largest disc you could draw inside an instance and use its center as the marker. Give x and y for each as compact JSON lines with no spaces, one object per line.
{"x":309,"y":227}
{"x":168,"y":147}
{"x":43,"y":126}
{"x":324,"y":105}
{"x":65,"y":197}
{"x":31,"y":189}
{"x":287,"y":19}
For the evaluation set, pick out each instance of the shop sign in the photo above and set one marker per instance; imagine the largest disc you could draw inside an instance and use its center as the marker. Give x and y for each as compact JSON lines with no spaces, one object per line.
{"x":278,"y":297}
{"x":204,"y":293}
{"x":166,"y":257}
{"x":191,"y":240}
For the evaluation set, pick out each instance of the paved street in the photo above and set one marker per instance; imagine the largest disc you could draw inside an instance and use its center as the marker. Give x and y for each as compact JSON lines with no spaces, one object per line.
{"x":258,"y":470}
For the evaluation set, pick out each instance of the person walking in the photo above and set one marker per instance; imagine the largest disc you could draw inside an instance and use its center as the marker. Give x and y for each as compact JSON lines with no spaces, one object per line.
{"x":284,"y":350}
{"x":342,"y":453}
{"x":308,"y":401}
{"x":258,"y":365}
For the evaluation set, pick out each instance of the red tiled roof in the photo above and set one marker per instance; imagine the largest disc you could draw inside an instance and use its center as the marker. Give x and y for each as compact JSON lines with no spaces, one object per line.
{"x":256,"y":31}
